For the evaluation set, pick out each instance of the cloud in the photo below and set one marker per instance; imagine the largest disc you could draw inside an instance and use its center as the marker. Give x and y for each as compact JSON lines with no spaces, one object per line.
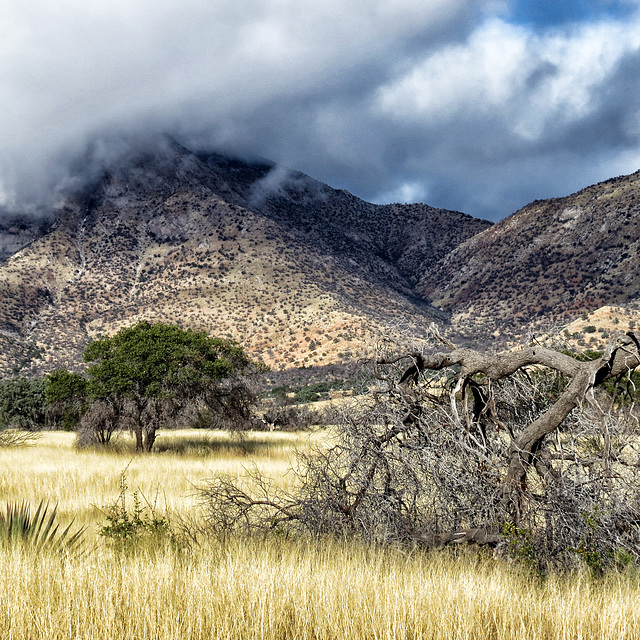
{"x":207,"y":68}
{"x":517,"y":111}
{"x":407,"y":192}
{"x":450,"y":101}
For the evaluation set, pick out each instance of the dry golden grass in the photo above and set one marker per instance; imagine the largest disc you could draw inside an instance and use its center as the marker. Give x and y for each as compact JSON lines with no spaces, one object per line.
{"x":283,"y":589}
{"x":266,"y":589}
{"x":82,"y":482}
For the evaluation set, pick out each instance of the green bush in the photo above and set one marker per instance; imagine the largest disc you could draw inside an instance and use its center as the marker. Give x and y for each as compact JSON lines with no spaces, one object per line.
{"x":66,"y":394}
{"x":22,"y":403}
{"x":521,"y":545}
{"x":307,"y":393}
{"x":128,"y":528}
{"x":594,"y":557}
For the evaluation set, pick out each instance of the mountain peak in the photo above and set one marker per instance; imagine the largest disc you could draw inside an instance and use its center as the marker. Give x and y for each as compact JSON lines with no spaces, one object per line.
{"x":298,"y":272}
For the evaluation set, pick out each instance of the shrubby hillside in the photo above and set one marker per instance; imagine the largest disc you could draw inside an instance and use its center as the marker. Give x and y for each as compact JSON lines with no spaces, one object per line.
{"x":299,"y":272}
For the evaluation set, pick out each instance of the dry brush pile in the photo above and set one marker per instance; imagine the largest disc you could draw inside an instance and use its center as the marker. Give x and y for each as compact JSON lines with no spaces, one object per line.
{"x":533,"y":452}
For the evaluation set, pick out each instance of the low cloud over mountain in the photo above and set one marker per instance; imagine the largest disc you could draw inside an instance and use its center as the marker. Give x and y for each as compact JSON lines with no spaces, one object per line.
{"x":474,"y":105}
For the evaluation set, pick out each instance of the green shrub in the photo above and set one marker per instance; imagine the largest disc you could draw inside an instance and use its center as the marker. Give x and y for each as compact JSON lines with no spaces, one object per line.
{"x":22,"y":403}
{"x":520,"y":545}
{"x":594,"y":558}
{"x":127,"y":528}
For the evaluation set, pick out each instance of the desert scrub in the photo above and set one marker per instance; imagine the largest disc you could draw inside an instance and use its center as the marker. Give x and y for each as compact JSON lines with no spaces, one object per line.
{"x":128,"y":526}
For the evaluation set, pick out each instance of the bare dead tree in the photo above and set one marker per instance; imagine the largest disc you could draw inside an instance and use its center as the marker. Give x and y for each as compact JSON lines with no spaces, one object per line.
{"x":99,"y":422}
{"x":16,"y":438}
{"x":531,"y":449}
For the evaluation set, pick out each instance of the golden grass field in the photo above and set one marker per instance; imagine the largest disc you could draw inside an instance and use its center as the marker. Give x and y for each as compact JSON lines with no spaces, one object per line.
{"x":254,"y":589}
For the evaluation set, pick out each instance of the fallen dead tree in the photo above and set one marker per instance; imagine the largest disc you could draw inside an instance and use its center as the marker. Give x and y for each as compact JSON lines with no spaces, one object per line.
{"x":532,"y":451}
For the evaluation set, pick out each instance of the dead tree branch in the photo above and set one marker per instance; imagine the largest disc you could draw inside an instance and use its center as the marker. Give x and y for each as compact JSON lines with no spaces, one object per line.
{"x":462,"y":446}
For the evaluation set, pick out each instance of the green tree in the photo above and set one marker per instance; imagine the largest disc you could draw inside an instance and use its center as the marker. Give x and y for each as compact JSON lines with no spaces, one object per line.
{"x":67,"y":398}
{"x":155,"y":369}
{"x":22,"y":403}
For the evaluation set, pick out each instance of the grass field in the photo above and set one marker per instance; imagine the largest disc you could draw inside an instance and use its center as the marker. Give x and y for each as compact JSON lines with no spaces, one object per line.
{"x":271,"y":589}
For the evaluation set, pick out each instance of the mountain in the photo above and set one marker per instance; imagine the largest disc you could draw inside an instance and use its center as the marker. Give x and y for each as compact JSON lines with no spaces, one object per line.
{"x":17,"y":231}
{"x":544,"y":264}
{"x":298,"y":272}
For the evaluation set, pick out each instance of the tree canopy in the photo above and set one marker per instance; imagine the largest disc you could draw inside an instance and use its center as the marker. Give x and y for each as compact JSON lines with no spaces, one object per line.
{"x":160,"y":360}
{"x":150,"y":369}
{"x":22,"y":403}
{"x":63,"y":385}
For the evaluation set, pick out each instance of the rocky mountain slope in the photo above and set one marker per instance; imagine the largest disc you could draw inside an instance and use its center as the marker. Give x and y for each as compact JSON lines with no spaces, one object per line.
{"x":300,"y":273}
{"x":545,"y":264}
{"x":18,"y":231}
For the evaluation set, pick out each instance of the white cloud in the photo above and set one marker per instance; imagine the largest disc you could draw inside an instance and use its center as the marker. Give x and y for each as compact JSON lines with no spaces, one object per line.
{"x":396,"y":100}
{"x":78,"y":57}
{"x":583,"y":62}
{"x":524,"y":81}
{"x":405,"y":193}
{"x":475,"y":76}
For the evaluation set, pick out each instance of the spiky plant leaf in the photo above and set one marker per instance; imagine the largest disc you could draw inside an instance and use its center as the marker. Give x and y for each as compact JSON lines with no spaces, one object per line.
{"x":38,"y":531}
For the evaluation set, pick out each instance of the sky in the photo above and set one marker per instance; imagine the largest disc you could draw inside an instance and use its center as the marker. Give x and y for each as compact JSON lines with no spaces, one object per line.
{"x":479,"y":106}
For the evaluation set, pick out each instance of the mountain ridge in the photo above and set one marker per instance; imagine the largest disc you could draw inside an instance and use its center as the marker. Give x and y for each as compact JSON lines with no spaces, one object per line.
{"x":551,"y":259}
{"x":300,"y":273}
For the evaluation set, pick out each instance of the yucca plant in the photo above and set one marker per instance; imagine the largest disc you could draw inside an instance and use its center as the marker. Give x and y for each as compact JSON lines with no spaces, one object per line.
{"x":38,"y":531}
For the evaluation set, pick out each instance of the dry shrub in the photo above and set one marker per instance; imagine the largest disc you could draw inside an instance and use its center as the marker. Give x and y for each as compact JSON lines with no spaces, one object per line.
{"x":421,"y":460}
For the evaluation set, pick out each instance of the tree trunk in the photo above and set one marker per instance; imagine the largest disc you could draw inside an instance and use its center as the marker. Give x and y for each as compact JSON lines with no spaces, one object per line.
{"x":139,"y":426}
{"x":149,"y":439}
{"x":622,"y":355}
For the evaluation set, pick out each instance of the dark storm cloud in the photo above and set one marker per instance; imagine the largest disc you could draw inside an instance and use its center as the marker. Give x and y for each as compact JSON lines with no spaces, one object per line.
{"x":210,"y":70}
{"x":445,"y":101}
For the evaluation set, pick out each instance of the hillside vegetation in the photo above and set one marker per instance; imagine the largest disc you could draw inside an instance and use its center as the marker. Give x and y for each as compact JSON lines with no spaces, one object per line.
{"x":547,"y":263}
{"x":298,"y":272}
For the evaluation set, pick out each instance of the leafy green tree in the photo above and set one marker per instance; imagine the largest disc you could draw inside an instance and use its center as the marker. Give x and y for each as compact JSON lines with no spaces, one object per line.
{"x":22,"y":403}
{"x":63,"y":385}
{"x":67,"y":398}
{"x":156,"y":369}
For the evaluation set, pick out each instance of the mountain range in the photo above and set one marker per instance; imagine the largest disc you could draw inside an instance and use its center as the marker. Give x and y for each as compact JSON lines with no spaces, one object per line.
{"x":296,"y":271}
{"x":545,"y":264}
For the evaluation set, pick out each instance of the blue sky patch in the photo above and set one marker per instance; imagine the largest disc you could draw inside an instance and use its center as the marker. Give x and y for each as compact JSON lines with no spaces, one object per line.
{"x":549,"y":13}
